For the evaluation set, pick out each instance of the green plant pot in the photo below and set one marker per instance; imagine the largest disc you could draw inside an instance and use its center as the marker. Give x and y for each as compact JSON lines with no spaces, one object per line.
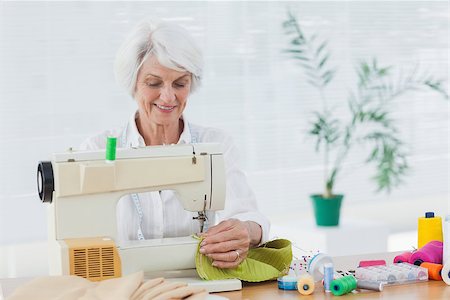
{"x":327,"y":210}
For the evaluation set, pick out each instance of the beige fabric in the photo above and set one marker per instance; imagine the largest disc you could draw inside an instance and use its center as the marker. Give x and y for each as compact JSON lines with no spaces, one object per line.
{"x":180,"y":293}
{"x":162,"y":288}
{"x":131,"y":287}
{"x":198,"y":296}
{"x":146,"y":286}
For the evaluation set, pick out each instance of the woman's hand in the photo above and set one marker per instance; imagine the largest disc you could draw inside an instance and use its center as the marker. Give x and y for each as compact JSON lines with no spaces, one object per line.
{"x":228,"y":242}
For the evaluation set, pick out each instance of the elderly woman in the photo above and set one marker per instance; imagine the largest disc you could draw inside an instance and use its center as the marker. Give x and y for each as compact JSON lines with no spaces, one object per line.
{"x":160,"y":65}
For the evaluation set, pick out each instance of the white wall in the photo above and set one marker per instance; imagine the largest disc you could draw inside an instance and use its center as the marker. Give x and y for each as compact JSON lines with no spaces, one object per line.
{"x":57,"y":88}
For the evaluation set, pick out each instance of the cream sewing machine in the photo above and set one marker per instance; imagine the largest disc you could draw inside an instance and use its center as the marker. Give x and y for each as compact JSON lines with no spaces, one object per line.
{"x":83,"y":189}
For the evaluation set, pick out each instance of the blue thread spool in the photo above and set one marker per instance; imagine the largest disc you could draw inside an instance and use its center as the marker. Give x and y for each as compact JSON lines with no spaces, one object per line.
{"x":287,"y":283}
{"x":327,"y":276}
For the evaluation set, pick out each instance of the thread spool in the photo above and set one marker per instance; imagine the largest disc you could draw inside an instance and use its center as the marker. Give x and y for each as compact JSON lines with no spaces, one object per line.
{"x":434,"y":270}
{"x":316,"y":265}
{"x":431,"y":252}
{"x":328,"y":276}
{"x":111,"y":149}
{"x":446,"y":236}
{"x":287,"y":282}
{"x":343,"y":285}
{"x":369,"y":263}
{"x":305,"y":284}
{"x":370,"y":285}
{"x":429,"y":229}
{"x":445,"y":273}
{"x":404,"y":257}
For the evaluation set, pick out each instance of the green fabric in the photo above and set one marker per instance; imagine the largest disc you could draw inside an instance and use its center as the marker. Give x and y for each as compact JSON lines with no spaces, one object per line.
{"x":268,"y":261}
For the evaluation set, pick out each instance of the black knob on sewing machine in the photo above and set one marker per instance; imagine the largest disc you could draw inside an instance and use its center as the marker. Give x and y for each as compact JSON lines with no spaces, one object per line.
{"x":45,"y":181}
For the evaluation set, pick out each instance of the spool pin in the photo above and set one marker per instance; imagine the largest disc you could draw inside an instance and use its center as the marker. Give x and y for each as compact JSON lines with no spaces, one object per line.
{"x":111,"y":149}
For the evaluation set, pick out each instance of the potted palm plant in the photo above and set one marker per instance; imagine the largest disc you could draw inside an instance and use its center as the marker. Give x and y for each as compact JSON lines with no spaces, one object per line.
{"x":370,"y":123}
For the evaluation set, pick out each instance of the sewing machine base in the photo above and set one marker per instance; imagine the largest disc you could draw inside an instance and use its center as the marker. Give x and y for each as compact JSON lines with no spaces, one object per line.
{"x":191,"y":278}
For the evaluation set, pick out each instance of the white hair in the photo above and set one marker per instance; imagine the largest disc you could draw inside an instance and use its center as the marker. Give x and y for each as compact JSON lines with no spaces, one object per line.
{"x":172,"y":46}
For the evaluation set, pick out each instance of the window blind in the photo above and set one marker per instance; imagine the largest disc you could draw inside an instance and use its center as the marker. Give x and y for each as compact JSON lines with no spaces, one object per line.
{"x":57,"y":88}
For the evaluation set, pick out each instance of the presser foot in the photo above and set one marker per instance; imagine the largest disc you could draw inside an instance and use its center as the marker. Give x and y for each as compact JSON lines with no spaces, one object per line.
{"x":201,"y":219}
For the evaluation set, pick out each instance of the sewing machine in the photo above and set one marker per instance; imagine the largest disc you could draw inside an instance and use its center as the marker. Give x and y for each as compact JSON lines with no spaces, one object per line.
{"x":83,"y":189}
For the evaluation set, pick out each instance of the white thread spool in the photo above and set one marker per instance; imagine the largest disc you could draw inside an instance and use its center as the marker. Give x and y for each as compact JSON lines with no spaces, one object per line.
{"x":445,"y":273}
{"x":316,"y":265}
{"x":446,"y":233}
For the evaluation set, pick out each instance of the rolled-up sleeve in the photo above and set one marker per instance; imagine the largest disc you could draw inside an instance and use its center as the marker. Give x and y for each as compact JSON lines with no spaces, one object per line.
{"x":240,"y":201}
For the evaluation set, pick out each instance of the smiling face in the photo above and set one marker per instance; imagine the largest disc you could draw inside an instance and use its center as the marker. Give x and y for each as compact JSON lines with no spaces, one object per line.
{"x":161,"y":93}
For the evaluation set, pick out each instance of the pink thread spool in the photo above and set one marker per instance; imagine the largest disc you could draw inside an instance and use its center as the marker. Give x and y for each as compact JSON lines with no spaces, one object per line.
{"x":369,"y":263}
{"x":404,"y":257}
{"x":431,"y":252}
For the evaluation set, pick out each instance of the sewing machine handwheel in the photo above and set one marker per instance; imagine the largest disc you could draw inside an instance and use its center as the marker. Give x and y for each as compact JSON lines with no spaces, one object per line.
{"x":45,"y":181}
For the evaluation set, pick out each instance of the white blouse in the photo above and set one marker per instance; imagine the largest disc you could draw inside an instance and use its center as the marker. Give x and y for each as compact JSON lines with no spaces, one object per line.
{"x":162,"y":213}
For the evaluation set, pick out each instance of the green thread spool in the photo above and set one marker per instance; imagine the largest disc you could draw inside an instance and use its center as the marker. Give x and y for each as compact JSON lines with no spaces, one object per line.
{"x":111,"y":148}
{"x":343,"y":285}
